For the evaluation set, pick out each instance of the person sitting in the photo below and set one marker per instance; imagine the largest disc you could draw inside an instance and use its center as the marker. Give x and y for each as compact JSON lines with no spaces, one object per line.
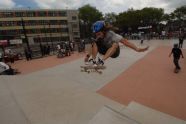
{"x":6,"y":69}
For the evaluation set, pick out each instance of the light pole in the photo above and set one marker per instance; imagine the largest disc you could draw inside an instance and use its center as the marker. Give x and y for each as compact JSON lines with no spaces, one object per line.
{"x":51,"y":37}
{"x":61,"y":32}
{"x":83,"y":28}
{"x":71,"y":31}
{"x":45,"y":34}
{"x":25,"y":35}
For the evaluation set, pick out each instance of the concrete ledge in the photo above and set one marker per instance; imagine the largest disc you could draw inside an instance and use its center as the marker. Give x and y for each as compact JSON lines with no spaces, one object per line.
{"x":147,"y":115}
{"x":109,"y":116}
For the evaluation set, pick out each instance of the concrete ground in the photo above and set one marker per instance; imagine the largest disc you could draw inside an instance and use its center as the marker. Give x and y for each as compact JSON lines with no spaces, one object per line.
{"x":152,"y":82}
{"x":52,"y":90}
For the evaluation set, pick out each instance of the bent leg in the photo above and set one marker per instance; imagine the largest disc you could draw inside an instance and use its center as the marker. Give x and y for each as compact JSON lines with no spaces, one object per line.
{"x":176,"y":63}
{"x":94,"y":50}
{"x":116,"y":54}
{"x":110,"y":52}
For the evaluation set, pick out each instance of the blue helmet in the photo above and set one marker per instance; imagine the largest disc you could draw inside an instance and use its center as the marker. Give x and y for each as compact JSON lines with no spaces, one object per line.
{"x":98,"y":26}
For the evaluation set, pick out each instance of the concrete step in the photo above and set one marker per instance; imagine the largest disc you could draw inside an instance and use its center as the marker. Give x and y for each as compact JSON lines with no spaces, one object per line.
{"x":108,"y":115}
{"x":146,"y":115}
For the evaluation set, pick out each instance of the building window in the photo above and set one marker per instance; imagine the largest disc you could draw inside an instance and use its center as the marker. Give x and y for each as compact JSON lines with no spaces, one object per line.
{"x":74,"y":17}
{"x":64,"y":29}
{"x":74,"y":26}
{"x":62,"y":13}
{"x":50,"y":13}
{"x":31,"y":14}
{"x":63,"y":22}
{"x":18,"y":14}
{"x":75,"y":33}
{"x":7,"y":14}
{"x":42,"y":14}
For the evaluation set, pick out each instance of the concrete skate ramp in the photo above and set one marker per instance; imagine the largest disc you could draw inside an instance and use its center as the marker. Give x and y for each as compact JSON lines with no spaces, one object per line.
{"x":108,"y":116}
{"x":152,"y":82}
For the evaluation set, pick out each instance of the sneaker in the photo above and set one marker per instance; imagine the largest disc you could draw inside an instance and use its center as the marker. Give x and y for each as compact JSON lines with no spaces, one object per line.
{"x":91,"y":62}
{"x":100,"y":62}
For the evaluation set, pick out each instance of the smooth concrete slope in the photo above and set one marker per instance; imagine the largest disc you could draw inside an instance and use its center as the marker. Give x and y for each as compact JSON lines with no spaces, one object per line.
{"x":61,"y":94}
{"x":39,"y":96}
{"x":109,"y":116}
{"x":152,"y":82}
{"x":146,"y":115}
{"x":10,"y":111}
{"x":94,"y":81}
{"x":48,"y":100}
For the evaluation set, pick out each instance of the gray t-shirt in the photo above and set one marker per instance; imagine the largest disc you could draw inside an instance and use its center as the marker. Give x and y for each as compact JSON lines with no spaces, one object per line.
{"x":110,"y":38}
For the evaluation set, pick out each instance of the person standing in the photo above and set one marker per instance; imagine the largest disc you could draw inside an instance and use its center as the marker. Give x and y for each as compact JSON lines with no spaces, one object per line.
{"x":176,"y":51}
{"x":181,"y":38}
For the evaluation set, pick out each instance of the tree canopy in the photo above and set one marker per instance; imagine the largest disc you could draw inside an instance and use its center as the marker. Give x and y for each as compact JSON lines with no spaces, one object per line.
{"x":131,"y":19}
{"x":89,"y":14}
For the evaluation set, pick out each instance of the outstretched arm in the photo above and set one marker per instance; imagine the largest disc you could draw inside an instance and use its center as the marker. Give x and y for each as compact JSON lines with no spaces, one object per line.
{"x":132,"y":46}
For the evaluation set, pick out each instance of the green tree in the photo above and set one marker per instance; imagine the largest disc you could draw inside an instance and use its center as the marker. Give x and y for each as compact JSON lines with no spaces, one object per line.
{"x":152,"y":15}
{"x":166,"y":17}
{"x":132,"y":19}
{"x":180,"y":12}
{"x":127,"y":20}
{"x":110,"y":17}
{"x":88,"y":15}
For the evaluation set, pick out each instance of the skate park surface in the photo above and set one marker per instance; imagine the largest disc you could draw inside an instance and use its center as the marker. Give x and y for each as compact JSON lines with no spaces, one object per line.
{"x":136,"y":88}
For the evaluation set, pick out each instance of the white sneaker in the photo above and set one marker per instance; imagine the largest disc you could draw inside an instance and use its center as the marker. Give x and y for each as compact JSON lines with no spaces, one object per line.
{"x":92,"y":61}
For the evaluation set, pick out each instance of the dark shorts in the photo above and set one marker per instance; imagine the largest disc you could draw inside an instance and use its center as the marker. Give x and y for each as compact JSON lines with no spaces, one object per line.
{"x":103,"y":50}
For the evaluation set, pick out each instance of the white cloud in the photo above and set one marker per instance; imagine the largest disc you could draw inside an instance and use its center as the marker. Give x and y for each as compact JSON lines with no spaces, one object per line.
{"x":59,"y":4}
{"x":104,"y":6}
{"x":116,"y":6}
{"x":6,"y":4}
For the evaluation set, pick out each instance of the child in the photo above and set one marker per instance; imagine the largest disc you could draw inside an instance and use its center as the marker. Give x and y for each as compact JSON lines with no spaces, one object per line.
{"x":176,"y":56}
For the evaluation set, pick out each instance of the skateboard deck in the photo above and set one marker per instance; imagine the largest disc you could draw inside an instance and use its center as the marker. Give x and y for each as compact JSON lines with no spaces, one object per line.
{"x":91,"y":68}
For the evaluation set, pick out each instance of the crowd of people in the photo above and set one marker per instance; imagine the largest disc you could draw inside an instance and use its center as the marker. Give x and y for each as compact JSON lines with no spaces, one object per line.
{"x":64,"y":49}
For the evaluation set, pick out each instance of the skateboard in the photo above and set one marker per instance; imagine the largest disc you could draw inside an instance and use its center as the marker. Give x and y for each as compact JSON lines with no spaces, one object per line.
{"x":92,"y":68}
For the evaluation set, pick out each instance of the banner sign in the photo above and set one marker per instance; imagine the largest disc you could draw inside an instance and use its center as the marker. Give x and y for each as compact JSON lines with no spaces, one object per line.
{"x":146,"y":27}
{"x":3,"y":42}
{"x":16,"y":41}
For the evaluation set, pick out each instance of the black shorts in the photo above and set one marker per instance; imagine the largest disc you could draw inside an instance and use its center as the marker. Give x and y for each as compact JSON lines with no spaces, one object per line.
{"x":102,"y":50}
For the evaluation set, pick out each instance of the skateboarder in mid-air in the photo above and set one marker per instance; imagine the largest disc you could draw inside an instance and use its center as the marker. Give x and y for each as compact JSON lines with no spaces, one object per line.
{"x":176,"y":51}
{"x":107,"y":43}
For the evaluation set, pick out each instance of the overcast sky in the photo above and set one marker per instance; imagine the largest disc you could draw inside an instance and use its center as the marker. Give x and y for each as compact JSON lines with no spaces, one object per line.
{"x":105,"y":6}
